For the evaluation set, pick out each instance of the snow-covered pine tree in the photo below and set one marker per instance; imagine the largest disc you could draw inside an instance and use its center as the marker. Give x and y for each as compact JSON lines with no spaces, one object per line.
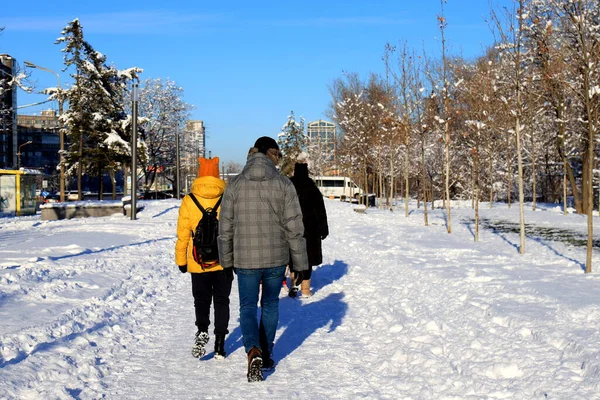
{"x":292,"y":141}
{"x":108,"y":139}
{"x":75,"y":119}
{"x":93,"y":123}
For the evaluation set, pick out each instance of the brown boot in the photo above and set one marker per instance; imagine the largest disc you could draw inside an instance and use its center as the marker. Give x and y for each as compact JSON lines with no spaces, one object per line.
{"x":305,"y":288}
{"x":255,"y":365}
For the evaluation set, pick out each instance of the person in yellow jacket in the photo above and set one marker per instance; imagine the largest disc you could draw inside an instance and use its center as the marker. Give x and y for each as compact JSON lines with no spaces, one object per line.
{"x":208,"y":282}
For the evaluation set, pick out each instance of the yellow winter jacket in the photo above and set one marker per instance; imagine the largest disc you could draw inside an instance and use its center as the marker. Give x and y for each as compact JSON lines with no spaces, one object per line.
{"x":207,"y":190}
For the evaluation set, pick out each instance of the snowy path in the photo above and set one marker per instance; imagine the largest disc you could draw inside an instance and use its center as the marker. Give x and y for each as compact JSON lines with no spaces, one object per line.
{"x":400,"y":311}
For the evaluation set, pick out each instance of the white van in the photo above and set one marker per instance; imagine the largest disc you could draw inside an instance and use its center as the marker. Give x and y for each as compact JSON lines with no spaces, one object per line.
{"x":337,"y":186}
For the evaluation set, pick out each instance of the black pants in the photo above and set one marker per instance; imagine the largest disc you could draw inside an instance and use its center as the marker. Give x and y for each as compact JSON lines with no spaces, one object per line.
{"x":307,"y":274}
{"x":206,"y":287}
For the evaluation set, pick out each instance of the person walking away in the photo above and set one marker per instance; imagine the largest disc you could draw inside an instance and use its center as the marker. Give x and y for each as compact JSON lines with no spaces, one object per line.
{"x":260,"y":228}
{"x":210,"y":281}
{"x":314,"y":218}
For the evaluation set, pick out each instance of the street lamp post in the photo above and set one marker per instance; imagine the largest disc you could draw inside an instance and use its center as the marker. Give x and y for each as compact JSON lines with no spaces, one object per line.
{"x":19,"y":153}
{"x":61,"y":134}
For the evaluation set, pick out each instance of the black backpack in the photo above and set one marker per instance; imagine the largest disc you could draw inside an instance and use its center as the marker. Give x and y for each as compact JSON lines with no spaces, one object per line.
{"x":205,"y":250}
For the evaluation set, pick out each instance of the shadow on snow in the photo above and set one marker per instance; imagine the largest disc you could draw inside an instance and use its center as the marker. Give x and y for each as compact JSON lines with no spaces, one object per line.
{"x":537,"y":233}
{"x":301,"y":319}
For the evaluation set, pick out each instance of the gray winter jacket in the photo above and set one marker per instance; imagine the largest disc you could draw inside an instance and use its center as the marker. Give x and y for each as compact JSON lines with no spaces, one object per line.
{"x":260,"y":224}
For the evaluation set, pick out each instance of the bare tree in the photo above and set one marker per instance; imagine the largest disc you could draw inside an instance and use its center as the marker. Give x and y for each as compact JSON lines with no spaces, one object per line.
{"x":164,"y":112}
{"x":352,"y":113}
{"x":409,"y":108}
{"x":581,"y":21}
{"x":445,"y":119}
{"x":512,"y":49}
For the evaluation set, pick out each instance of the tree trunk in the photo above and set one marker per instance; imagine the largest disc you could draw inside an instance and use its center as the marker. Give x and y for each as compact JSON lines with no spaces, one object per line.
{"x":565,"y":193}
{"x":431,"y":194}
{"x":447,"y":177}
{"x":533,"y":175}
{"x":590,"y":198}
{"x":100,"y":184}
{"x":508,"y":170}
{"x":380,"y":176}
{"x":124,"y":180}
{"x":591,"y":120}
{"x":521,"y":194}
{"x":374,"y":186}
{"x":548,"y":183}
{"x":560,"y":147}
{"x":491,"y":182}
{"x":392,"y":176}
{"x":406,"y":186}
{"x":586,"y":180}
{"x":80,"y":167}
{"x":113,"y":180}
{"x":476,"y":195}
{"x":473,"y":187}
{"x":425,"y":217}
{"x":419,"y":193}
{"x":155,"y":181}
{"x":366,"y":194}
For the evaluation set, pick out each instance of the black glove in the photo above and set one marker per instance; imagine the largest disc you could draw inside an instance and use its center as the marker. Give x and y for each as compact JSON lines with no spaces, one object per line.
{"x":229,"y":273}
{"x":183,"y":268}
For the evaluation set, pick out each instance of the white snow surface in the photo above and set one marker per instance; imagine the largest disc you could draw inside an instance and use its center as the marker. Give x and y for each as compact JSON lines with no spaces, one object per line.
{"x":96,"y":308}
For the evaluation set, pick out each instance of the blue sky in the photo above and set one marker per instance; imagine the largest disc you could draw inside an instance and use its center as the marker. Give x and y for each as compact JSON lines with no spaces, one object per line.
{"x":243,"y":65}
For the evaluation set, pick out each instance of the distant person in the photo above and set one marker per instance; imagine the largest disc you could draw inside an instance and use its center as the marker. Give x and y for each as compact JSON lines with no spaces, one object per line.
{"x":209,"y":282}
{"x":260,"y":228}
{"x":314,"y":218}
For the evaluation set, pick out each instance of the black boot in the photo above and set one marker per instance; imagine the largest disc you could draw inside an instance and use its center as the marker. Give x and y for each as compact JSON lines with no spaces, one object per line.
{"x":268,"y":363}
{"x":220,"y":347}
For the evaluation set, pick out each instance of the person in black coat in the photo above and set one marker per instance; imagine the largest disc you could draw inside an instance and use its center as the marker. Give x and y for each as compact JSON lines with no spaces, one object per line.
{"x":314,"y":218}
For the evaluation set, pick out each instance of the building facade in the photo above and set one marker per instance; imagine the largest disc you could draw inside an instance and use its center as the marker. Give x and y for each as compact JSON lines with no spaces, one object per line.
{"x":8,"y":112}
{"x":193,"y":145}
{"x":43,"y":131}
{"x":323,"y":134}
{"x":322,"y":146}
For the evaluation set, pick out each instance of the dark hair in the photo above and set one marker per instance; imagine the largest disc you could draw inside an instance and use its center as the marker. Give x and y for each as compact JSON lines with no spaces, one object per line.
{"x":265,"y":143}
{"x":301,"y":170}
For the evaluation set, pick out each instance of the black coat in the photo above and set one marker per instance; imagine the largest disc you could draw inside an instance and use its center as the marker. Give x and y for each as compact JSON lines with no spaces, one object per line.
{"x":314,"y":216}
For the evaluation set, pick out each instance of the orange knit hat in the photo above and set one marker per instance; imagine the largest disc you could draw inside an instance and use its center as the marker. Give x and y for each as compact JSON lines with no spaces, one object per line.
{"x":208,"y":167}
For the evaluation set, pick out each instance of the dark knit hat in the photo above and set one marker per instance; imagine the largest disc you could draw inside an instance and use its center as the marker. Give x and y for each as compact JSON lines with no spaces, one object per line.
{"x":301,"y":170}
{"x":265,"y":143}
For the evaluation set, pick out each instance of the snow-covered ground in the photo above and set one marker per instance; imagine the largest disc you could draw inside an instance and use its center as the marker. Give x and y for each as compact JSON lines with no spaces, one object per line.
{"x":95,"y":308}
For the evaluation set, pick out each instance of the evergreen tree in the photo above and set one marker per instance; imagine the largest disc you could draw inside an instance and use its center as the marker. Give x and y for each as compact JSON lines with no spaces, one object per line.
{"x":95,"y":123}
{"x":292,"y":141}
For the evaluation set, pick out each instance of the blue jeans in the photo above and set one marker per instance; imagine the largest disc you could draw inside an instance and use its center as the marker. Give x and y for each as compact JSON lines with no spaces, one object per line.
{"x":249,"y":282}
